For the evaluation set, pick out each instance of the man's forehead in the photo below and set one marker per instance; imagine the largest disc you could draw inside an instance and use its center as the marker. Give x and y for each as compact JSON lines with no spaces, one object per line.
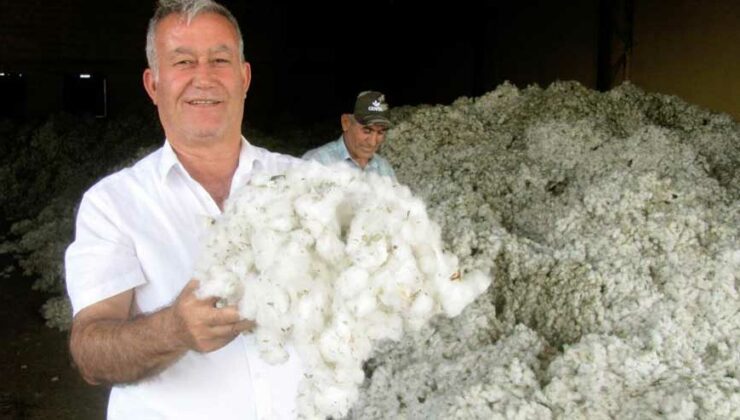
{"x":209,"y":32}
{"x":181,"y":24}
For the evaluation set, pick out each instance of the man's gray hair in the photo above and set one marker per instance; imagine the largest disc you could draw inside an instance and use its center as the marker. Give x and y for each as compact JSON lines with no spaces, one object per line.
{"x":188,"y":9}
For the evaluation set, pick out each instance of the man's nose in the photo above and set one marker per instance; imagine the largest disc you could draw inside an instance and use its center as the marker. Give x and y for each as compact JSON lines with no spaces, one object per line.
{"x":203,"y":77}
{"x":374,"y":139}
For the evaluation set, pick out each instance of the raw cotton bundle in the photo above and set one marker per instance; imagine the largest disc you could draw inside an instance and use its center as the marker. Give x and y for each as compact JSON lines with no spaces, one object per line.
{"x":331,"y":260}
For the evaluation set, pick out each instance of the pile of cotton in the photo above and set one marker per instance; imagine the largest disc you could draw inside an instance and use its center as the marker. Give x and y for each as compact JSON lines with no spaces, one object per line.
{"x":611,"y":223}
{"x":331,"y":261}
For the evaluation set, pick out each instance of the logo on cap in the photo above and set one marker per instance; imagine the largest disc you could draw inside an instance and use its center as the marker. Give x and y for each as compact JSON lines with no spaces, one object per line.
{"x":376,"y":106}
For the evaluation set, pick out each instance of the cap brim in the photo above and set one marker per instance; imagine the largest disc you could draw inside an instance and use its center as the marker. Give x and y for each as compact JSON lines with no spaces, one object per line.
{"x":375,"y":120}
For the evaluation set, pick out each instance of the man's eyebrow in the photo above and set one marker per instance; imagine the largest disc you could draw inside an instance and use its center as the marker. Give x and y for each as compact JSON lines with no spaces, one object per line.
{"x":182,"y":50}
{"x":219,"y":49}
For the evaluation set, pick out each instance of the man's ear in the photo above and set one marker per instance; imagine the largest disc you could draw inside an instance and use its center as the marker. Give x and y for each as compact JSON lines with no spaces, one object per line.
{"x":247,"y":73}
{"x":346,"y":122}
{"x":150,"y":84}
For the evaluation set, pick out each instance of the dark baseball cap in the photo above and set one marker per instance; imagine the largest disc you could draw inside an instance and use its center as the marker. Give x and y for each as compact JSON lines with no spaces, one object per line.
{"x":371,"y":108}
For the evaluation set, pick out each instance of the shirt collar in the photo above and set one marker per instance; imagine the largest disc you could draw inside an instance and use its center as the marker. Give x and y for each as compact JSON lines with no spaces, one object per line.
{"x":343,"y":151}
{"x":167,"y":161}
{"x":249,"y":159}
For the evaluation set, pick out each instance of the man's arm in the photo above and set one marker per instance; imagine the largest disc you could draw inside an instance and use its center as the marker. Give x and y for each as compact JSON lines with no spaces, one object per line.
{"x":109,"y":346}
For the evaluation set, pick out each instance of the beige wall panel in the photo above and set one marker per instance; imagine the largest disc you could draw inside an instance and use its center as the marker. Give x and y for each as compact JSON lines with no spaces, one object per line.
{"x":691,"y":49}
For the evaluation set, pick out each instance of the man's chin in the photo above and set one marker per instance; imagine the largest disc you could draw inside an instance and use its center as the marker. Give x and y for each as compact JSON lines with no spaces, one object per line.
{"x":204,"y":135}
{"x":206,"y":131}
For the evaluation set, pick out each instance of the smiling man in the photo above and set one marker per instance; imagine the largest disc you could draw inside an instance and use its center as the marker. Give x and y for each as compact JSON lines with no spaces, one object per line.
{"x":363,"y":132}
{"x":138,"y":324}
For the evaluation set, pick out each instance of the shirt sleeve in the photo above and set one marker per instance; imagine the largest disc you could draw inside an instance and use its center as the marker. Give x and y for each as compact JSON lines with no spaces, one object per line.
{"x":101,"y":262}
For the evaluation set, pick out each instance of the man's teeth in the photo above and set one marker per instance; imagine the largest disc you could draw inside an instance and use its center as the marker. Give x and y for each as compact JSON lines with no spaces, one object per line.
{"x":202,"y":102}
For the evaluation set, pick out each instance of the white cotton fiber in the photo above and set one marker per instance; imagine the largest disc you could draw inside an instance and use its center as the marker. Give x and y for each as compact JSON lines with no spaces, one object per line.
{"x":331,"y":260}
{"x":610,"y":220}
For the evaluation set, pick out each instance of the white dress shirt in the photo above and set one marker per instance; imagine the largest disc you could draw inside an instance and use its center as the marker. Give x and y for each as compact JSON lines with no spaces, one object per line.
{"x":142,"y":228}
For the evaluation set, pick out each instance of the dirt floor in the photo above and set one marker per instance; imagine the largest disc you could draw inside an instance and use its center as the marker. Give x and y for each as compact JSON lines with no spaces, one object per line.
{"x":37,"y":379}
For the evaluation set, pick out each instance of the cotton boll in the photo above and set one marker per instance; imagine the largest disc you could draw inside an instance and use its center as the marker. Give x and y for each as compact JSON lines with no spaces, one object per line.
{"x":456,"y":296}
{"x":320,"y":206}
{"x":273,"y":307}
{"x":365,"y":249}
{"x":352,"y":281}
{"x":366,"y":240}
{"x":282,"y":224}
{"x":334,"y":342}
{"x":271,"y":346}
{"x":313,"y":173}
{"x":392,"y":297}
{"x":248,"y":306}
{"x":349,"y":375}
{"x":363,"y":304}
{"x":447,"y":262}
{"x":415,"y":227}
{"x":420,"y":311}
{"x":310,"y":355}
{"x":266,"y":245}
{"x":406,"y":279}
{"x":306,"y":207}
{"x":310,"y":308}
{"x":383,"y":325}
{"x":369,"y":255}
{"x":313,"y":226}
{"x":281,"y":216}
{"x":330,"y":247}
{"x":320,"y":273}
{"x":297,"y":252}
{"x":305,"y":402}
{"x":427,"y":260}
{"x":396,"y":282}
{"x":221,"y":283}
{"x":335,"y":400}
{"x":242,"y":265}
{"x":265,"y":178}
{"x":254,"y":289}
{"x":360,"y":347}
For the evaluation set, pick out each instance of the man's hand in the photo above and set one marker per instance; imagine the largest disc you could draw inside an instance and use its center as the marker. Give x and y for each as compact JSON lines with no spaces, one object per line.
{"x":109,"y":345}
{"x":203,"y":327}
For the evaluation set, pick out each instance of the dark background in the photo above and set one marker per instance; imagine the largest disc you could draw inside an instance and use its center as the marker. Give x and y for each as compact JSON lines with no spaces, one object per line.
{"x":309,"y":59}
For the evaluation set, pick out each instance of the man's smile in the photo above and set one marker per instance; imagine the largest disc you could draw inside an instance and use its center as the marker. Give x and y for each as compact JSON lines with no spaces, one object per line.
{"x":203,"y":102}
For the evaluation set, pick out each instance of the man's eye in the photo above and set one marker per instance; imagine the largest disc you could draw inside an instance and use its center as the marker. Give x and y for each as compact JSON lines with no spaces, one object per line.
{"x":183,"y":62}
{"x":221,"y":61}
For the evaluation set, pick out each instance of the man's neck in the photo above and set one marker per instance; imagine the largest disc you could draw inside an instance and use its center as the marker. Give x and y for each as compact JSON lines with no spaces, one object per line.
{"x":212,"y":166}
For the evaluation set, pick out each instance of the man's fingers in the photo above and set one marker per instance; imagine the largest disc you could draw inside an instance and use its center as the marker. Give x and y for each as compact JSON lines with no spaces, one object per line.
{"x":245,"y":325}
{"x":191,"y":287}
{"x":232,"y":329}
{"x":223,"y":316}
